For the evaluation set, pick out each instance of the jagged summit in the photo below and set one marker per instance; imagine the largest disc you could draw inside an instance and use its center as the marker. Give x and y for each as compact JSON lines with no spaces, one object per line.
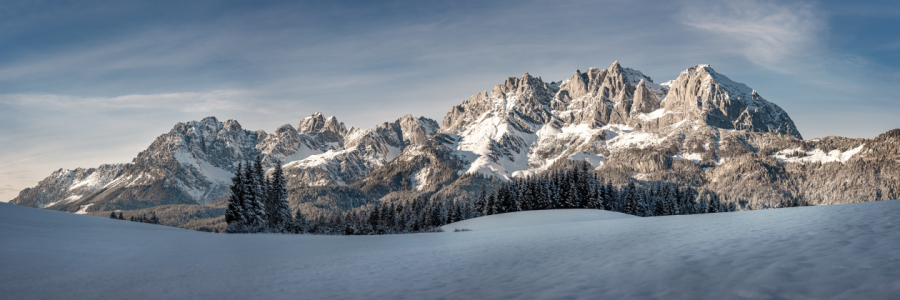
{"x":317,"y":123}
{"x":620,"y":95}
{"x":700,"y":93}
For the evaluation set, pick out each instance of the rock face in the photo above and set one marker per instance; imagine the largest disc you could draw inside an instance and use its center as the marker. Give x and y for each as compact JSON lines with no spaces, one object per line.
{"x":701,"y":128}
{"x":524,"y":124}
{"x":363,"y":150}
{"x":701,"y":94}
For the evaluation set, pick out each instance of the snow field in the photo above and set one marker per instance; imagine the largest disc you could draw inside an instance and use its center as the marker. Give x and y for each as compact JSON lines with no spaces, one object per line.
{"x":825,"y":252}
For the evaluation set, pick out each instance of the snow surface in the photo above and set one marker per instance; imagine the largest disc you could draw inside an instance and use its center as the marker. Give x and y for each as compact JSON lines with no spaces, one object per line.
{"x":825,"y":252}
{"x":520,"y":220}
{"x":656,"y":114}
{"x":82,"y":210}
{"x":213,"y":173}
{"x":593,"y":159}
{"x":817,"y":155}
{"x":622,"y":137}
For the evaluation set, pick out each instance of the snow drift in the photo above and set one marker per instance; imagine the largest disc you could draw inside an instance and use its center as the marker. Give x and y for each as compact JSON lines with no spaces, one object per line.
{"x":825,"y":252}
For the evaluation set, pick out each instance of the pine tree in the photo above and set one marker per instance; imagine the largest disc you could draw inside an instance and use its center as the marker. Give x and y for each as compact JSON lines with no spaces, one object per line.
{"x":669,"y":201}
{"x":612,"y":198}
{"x":279,"y":211}
{"x":121,"y":217}
{"x":300,"y":224}
{"x":703,"y":206}
{"x":480,"y":206}
{"x":455,"y":214}
{"x":112,"y":215}
{"x":489,"y":205}
{"x":573,"y":198}
{"x":235,"y":214}
{"x":713,"y":204}
{"x":631,"y":200}
{"x":254,"y":197}
{"x":679,"y":207}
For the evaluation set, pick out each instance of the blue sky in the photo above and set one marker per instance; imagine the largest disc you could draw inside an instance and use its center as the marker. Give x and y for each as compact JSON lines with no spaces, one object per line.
{"x":85,"y":83}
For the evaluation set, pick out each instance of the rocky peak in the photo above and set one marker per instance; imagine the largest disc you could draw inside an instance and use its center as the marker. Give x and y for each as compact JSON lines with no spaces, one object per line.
{"x":416,"y":130}
{"x":233,"y":125}
{"x":317,"y":123}
{"x":527,"y":91}
{"x":645,"y":99}
{"x":700,"y":93}
{"x":574,"y":88}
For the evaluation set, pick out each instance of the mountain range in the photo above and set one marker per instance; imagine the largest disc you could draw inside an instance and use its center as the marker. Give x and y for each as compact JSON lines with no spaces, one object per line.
{"x":700,"y":129}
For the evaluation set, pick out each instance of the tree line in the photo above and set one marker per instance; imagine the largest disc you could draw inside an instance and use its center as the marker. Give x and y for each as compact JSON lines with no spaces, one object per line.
{"x":577,"y":187}
{"x":141,"y":219}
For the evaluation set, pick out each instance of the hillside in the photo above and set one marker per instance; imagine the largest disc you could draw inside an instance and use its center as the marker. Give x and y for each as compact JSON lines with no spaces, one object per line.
{"x":823,"y":252}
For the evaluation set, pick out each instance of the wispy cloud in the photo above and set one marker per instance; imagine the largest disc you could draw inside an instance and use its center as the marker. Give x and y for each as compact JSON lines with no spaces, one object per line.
{"x":765,"y":32}
{"x":235,"y":100}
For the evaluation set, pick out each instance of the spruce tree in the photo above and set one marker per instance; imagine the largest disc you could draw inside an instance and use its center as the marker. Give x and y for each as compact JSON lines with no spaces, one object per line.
{"x":279,"y":211}
{"x":253,"y":207}
{"x":612,"y":198}
{"x":489,"y":205}
{"x":480,"y":206}
{"x":713,"y":204}
{"x":455,"y":214}
{"x":631,"y":200}
{"x":300,"y":225}
{"x":669,"y":197}
{"x":235,"y":214}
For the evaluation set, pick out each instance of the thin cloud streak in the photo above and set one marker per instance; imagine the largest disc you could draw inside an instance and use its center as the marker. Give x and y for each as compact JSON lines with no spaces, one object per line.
{"x":237,"y":100}
{"x":766,"y":33}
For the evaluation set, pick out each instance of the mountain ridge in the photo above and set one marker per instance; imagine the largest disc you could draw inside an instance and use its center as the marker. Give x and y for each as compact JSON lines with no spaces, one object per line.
{"x":618,"y":119}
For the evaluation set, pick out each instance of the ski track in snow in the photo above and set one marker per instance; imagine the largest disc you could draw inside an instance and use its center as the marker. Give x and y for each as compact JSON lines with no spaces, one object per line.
{"x":826,"y":252}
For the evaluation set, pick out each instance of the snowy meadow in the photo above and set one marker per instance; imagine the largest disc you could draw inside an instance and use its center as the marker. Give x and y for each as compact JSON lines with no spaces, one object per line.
{"x":820,"y":252}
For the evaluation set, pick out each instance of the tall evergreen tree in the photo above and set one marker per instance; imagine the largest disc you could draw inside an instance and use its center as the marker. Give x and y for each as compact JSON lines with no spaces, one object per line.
{"x":612,"y":198}
{"x":713,"y":204}
{"x":235,"y":214}
{"x":253,"y":199}
{"x":630,"y":199}
{"x":279,"y":211}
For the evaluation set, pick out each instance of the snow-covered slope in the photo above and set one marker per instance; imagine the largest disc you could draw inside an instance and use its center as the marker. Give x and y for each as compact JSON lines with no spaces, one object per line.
{"x":523,"y":219}
{"x":825,"y":252}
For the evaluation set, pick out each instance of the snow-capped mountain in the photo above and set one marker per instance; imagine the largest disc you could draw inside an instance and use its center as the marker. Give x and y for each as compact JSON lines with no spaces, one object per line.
{"x":362,"y":151}
{"x":524,"y":125}
{"x":194,"y":162}
{"x":701,"y":129}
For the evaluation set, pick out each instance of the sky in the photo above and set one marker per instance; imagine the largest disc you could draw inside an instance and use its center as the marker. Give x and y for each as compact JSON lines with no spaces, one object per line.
{"x":83,"y":83}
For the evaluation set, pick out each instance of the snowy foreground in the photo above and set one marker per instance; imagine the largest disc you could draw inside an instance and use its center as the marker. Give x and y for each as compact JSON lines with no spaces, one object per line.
{"x":847,"y":251}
